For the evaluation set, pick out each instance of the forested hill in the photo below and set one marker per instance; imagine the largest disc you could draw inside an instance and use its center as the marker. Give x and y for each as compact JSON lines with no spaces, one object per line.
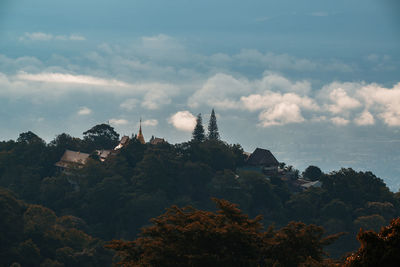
{"x":113,"y":199}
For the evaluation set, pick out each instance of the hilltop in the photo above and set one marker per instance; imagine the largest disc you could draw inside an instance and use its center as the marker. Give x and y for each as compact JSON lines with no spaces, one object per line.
{"x":114,"y":197}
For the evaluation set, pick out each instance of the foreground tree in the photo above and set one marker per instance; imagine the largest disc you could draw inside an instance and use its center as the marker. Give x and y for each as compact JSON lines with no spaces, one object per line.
{"x":378,"y":249}
{"x":213,"y":133}
{"x":190,"y":237}
{"x":32,"y":235}
{"x":198,"y":132}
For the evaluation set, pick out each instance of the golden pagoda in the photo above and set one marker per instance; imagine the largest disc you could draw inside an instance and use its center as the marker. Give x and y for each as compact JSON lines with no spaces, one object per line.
{"x":140,"y":134}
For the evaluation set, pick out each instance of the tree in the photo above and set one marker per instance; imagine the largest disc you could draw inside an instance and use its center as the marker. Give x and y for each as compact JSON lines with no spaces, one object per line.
{"x":198,"y":132}
{"x":65,"y":141}
{"x":312,"y":173}
{"x":378,"y":249}
{"x":101,"y":136}
{"x":29,"y":138}
{"x":297,"y":242}
{"x":213,"y":133}
{"x":191,"y":237}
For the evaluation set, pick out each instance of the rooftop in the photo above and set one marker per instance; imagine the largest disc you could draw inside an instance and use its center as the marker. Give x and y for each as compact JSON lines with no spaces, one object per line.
{"x":262,"y":157}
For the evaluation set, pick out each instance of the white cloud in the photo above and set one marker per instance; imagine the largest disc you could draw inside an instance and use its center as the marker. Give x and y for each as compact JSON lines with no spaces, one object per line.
{"x":118,"y":122}
{"x":36,"y":36}
{"x":54,"y":85}
{"x":385,"y":101}
{"x":151,"y":122}
{"x":129,"y":104}
{"x":276,"y":82}
{"x":342,"y":101}
{"x":223,"y":91}
{"x":282,"y":113}
{"x":339,"y":121}
{"x":278,"y":109}
{"x":365,"y":118}
{"x":270,"y":99}
{"x":218,"y":92}
{"x":84,"y":111}
{"x":158,"y":82}
{"x":41,"y":36}
{"x":183,"y":120}
{"x":75,"y":37}
{"x":161,"y":47}
{"x":155,"y":99}
{"x":70,"y":78}
{"x":381,"y":102}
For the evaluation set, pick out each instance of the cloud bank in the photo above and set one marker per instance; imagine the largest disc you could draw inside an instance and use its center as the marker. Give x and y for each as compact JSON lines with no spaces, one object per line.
{"x":159,"y":74}
{"x":280,"y":101}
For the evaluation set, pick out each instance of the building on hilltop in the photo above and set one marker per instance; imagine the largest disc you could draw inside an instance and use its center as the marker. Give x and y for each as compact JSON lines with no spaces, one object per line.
{"x":140,"y":136}
{"x":262,"y":160}
{"x":124,"y":141}
{"x":79,"y":159}
{"x":156,"y":140}
{"x":71,"y":158}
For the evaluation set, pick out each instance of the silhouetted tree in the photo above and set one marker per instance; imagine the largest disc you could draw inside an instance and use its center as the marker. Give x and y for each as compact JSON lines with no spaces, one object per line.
{"x":312,"y":173}
{"x":101,"y":136}
{"x":29,"y":138}
{"x":198,"y":132}
{"x":213,"y":133}
{"x":65,"y":141}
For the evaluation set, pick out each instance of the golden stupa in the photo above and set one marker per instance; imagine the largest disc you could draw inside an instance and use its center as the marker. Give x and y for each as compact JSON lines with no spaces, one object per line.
{"x":140,"y":134}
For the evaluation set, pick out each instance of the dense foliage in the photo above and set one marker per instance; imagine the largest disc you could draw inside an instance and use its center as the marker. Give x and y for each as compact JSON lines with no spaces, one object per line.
{"x":378,"y":249}
{"x":32,"y":235}
{"x":190,"y":237}
{"x":117,"y":197}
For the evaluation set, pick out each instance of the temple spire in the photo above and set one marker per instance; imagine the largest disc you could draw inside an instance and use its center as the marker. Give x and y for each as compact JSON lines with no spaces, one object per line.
{"x":140,"y":134}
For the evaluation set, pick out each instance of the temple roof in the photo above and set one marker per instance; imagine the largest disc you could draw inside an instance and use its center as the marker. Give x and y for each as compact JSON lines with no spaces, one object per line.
{"x":262,"y":157}
{"x":72,"y":157}
{"x":156,"y":141}
{"x":140,"y":136}
{"x":124,"y":141}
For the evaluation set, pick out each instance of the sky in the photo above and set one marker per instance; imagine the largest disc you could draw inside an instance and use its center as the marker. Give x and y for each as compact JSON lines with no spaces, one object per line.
{"x":317,"y":82}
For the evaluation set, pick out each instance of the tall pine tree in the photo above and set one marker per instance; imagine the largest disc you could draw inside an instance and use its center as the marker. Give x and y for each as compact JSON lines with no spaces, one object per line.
{"x":213,"y":133}
{"x":198,"y":132}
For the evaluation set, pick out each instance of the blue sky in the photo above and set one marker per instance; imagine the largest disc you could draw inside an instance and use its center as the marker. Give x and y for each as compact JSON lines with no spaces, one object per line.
{"x":316,"y":82}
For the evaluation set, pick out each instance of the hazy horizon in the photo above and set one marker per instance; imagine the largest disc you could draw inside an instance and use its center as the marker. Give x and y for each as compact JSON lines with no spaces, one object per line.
{"x":317,"y":83}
